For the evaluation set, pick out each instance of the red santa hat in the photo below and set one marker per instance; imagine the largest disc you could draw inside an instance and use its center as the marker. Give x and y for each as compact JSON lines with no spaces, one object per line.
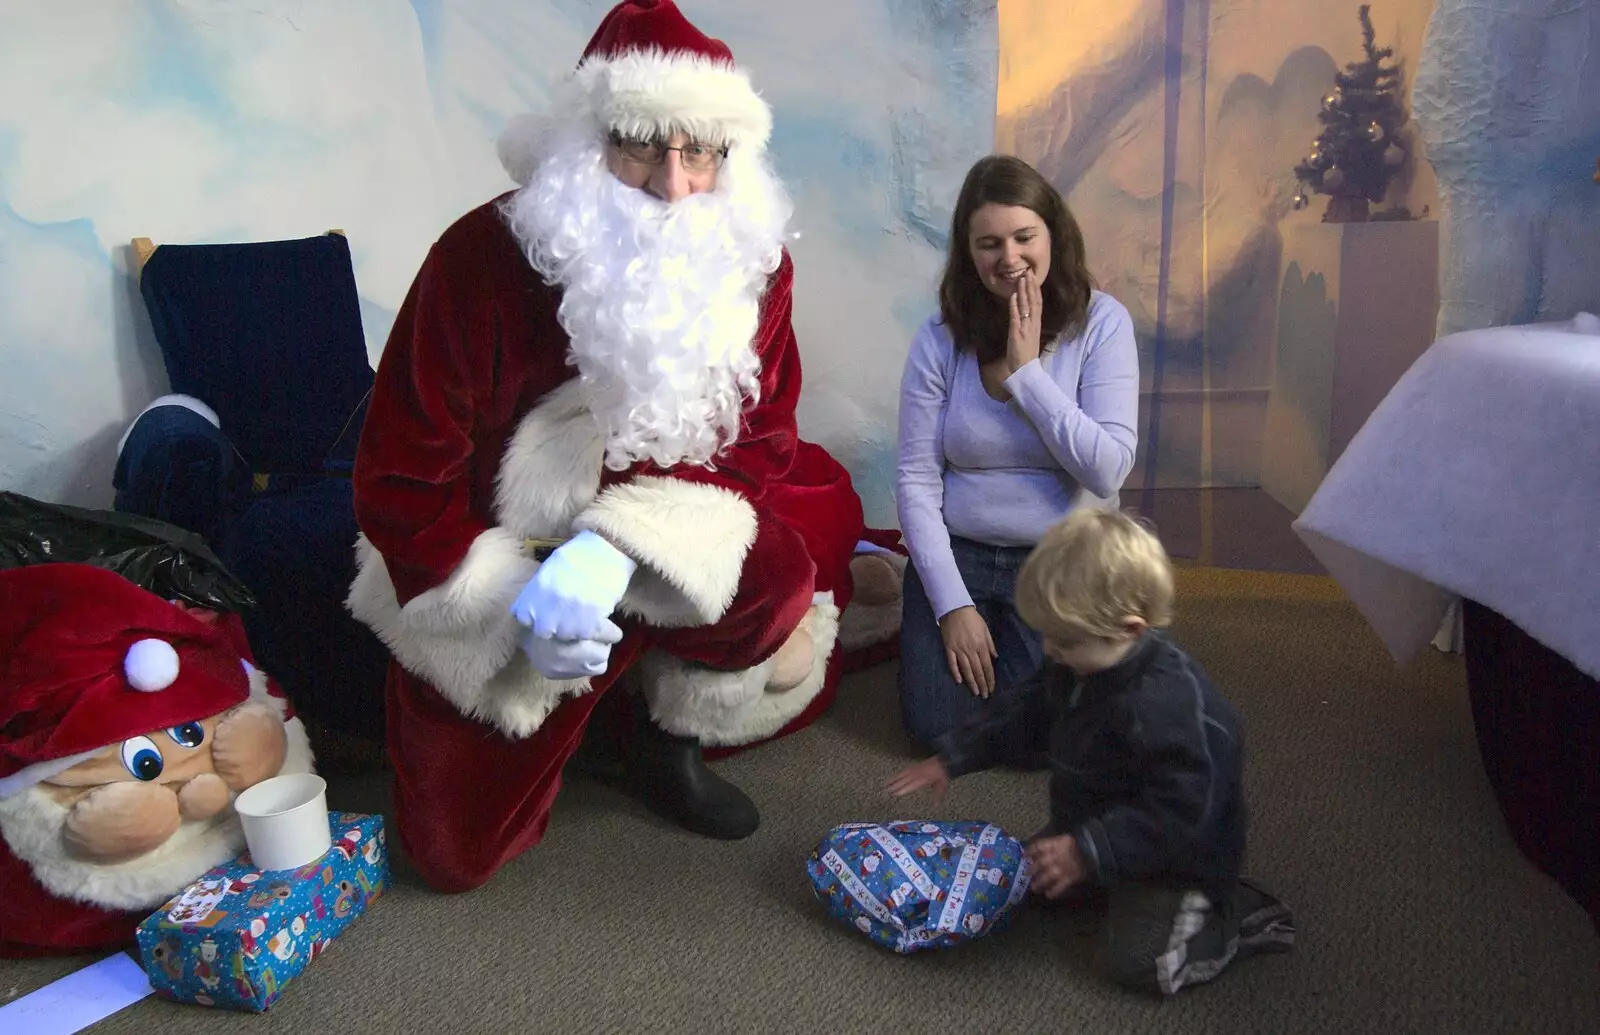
{"x":88,"y":659}
{"x":648,"y":71}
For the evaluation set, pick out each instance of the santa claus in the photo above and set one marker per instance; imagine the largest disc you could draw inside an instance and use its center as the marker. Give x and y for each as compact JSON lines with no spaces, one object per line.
{"x":580,"y":469}
{"x":128,"y":724}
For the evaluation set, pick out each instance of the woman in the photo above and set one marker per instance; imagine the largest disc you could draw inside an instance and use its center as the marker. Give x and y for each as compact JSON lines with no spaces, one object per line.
{"x":1019,"y":402}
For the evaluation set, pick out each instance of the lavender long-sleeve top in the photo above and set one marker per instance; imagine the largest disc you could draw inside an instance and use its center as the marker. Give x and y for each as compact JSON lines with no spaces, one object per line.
{"x":1004,"y":472}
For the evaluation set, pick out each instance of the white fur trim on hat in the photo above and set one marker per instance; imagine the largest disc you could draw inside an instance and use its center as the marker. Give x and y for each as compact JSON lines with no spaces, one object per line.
{"x":649,"y":91}
{"x":522,"y":146}
{"x":39,"y":772}
{"x":642,"y":93}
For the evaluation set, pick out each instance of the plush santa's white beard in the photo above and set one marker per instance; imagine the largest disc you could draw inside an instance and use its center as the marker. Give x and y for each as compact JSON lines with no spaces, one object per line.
{"x":660,"y":300}
{"x":32,"y":823}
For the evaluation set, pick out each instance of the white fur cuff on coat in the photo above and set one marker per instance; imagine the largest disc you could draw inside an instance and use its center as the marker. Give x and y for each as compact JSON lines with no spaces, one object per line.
{"x":727,"y":708}
{"x":689,"y":539}
{"x":460,"y":637}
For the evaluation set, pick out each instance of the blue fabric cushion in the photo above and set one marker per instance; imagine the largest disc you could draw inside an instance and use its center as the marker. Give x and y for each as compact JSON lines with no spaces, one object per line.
{"x":177,"y":467}
{"x":269,"y":336}
{"x":295,"y":547}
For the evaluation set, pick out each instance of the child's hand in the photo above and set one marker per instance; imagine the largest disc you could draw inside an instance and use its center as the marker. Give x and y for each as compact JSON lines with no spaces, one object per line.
{"x":1058,"y":864}
{"x":929,"y":773}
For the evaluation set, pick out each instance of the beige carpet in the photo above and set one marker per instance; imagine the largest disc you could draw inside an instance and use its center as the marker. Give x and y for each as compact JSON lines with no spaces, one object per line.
{"x":1372,"y":819}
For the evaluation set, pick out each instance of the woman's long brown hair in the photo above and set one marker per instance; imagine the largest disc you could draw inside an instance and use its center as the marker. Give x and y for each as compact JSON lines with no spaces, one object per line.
{"x":979,"y":322}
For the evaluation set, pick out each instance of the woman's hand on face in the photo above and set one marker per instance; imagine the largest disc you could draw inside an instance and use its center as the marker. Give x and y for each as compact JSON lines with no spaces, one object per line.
{"x":969,"y":649}
{"x":1027,"y":308}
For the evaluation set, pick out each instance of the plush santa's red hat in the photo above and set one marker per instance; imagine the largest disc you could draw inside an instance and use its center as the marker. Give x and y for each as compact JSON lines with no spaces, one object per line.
{"x":88,"y":659}
{"x":648,"y":71}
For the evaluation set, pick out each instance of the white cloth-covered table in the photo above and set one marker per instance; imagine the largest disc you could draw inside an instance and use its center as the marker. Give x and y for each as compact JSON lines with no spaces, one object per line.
{"x":1477,"y":477}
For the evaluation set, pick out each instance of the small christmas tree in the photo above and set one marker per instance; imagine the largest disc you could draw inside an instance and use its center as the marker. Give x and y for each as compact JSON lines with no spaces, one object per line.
{"x":1358,"y":151}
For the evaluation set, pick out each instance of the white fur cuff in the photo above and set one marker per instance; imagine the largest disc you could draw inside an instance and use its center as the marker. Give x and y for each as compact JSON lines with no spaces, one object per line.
{"x":690,"y":541}
{"x":642,"y":94}
{"x":460,"y":637}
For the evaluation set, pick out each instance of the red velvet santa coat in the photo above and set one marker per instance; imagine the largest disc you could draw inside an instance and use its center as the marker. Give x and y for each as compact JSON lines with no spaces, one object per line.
{"x":477,"y":439}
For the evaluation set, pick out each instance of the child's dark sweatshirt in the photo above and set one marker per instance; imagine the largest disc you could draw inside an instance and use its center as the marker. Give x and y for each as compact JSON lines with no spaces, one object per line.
{"x":1145,"y":765}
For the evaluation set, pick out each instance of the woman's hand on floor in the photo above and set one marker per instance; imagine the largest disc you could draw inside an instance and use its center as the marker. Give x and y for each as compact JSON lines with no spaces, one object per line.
{"x":929,"y":773}
{"x":969,"y":649}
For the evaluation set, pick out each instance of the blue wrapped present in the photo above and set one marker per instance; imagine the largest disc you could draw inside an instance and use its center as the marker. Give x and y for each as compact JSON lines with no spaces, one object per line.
{"x":236,"y":936}
{"x":912,"y":885}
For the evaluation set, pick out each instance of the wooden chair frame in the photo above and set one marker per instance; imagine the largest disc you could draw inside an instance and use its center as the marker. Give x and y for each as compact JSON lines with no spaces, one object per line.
{"x":144,"y":247}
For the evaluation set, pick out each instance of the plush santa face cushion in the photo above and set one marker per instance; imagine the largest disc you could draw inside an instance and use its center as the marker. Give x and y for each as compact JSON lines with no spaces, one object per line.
{"x":70,"y":848}
{"x":912,"y":885}
{"x":132,"y":796}
{"x":127,"y":726}
{"x":129,"y":826}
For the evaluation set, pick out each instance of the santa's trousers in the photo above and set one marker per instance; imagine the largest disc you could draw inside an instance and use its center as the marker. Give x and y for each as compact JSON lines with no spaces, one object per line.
{"x":467,"y":799}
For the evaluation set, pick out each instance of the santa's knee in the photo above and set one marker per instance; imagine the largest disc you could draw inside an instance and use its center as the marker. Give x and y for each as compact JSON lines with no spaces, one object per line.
{"x":733,"y":704}
{"x":792,"y":662}
{"x":876,"y":579}
{"x":446,"y":867}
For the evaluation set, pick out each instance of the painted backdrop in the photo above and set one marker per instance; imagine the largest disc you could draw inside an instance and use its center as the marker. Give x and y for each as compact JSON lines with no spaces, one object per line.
{"x":1173,"y":128}
{"x":191,"y":121}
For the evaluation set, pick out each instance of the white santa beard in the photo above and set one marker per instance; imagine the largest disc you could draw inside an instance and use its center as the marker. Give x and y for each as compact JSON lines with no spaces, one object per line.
{"x":31,"y":823}
{"x":660,"y":301}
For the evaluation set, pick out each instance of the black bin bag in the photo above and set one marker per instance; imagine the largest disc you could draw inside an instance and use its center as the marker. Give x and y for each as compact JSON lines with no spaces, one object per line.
{"x":168,"y":561}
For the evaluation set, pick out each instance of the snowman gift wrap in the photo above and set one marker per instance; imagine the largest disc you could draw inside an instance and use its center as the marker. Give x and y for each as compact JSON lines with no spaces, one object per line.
{"x":911,"y":885}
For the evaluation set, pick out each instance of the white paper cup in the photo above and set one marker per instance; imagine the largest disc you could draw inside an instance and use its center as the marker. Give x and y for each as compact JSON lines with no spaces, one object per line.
{"x":285,"y":821}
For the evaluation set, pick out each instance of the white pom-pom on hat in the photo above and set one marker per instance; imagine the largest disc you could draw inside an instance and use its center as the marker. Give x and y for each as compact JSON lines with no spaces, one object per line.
{"x":151,"y":665}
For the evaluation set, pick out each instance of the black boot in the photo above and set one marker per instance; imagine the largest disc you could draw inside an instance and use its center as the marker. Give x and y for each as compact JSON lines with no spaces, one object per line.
{"x":599,"y":755}
{"x":672,"y":779}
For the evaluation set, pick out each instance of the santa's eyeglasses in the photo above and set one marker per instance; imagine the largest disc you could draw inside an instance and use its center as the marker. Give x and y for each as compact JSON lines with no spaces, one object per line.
{"x":696,"y":156}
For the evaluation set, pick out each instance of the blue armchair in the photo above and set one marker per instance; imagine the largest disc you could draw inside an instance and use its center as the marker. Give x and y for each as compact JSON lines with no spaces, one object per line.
{"x":263,"y":345}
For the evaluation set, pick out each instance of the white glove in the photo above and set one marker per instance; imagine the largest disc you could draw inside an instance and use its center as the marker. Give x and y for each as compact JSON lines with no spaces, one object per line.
{"x":575,"y":590}
{"x":572,"y":659}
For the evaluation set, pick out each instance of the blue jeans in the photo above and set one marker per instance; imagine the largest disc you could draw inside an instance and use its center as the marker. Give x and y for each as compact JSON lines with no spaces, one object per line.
{"x":931,"y":701}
